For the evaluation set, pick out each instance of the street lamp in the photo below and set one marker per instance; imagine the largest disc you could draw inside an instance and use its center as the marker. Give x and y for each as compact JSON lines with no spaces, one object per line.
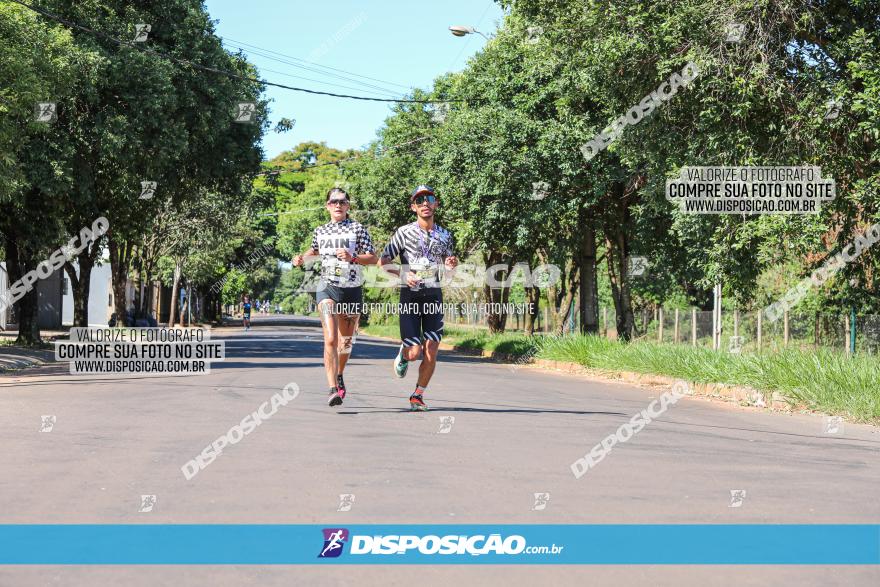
{"x":460,"y":31}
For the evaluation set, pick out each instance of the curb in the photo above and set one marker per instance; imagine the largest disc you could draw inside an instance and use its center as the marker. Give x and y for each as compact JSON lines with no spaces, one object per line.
{"x":743,"y":396}
{"x":14,"y":362}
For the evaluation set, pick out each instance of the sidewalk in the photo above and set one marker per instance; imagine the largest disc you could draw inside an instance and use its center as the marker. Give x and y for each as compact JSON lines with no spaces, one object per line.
{"x":13,"y":357}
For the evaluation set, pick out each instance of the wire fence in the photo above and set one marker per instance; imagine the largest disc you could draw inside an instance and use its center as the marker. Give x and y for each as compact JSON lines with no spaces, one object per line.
{"x":741,"y":330}
{"x":745,"y":331}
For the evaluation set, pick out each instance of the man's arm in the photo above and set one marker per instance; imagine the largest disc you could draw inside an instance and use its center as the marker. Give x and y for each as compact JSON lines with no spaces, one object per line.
{"x":450,"y":261}
{"x":391,"y":251}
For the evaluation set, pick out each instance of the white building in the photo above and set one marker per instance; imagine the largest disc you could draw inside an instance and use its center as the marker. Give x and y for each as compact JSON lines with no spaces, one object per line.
{"x":100,"y":295}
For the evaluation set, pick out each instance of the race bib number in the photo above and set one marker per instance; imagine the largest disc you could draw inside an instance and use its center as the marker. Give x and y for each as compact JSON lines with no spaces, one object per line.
{"x":337,"y":270}
{"x":424,"y":269}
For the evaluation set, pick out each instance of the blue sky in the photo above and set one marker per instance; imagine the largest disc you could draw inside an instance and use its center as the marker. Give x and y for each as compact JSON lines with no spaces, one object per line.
{"x":405,"y":43}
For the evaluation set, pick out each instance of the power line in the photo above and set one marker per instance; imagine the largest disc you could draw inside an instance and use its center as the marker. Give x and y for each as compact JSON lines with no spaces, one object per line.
{"x":325,"y":83}
{"x":289,"y":61}
{"x":229,"y":74}
{"x":338,"y":161}
{"x":373,"y":88}
{"x":236,"y":43}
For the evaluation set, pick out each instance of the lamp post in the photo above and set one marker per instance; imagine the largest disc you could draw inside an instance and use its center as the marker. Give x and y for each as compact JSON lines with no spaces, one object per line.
{"x":461,"y":30}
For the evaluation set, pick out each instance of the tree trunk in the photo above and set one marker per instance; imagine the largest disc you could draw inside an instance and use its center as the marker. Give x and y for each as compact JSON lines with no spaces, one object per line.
{"x":566,"y":300}
{"x":533,"y":296}
{"x":28,"y":324}
{"x":172,"y":313}
{"x":496,"y":295}
{"x":617,"y":244}
{"x":565,"y":310}
{"x":560,"y":298}
{"x":120,"y":260}
{"x":552,"y":300}
{"x":18,"y":262}
{"x":589,"y":285}
{"x":81,"y":282}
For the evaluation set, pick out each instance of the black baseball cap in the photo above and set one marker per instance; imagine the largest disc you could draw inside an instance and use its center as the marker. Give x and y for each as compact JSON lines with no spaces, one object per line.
{"x":422,"y":189}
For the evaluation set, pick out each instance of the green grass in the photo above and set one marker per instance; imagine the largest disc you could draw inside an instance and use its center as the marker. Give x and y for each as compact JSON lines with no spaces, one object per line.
{"x":386,"y":330}
{"x":479,"y":339}
{"x":468,"y":338}
{"x":10,"y":342}
{"x":823,"y":380}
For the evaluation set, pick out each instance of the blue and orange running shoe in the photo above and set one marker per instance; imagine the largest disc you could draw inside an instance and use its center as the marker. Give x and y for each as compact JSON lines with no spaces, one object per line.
{"x":417,"y":404}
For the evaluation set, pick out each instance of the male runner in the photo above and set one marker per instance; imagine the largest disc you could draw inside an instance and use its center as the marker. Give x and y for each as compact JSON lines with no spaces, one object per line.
{"x":246,"y":311}
{"x":343,"y":245}
{"x":423,"y":246}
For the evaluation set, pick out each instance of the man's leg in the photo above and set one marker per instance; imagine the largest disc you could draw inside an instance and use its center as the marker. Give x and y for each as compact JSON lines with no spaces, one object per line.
{"x":410,"y":337}
{"x":331,"y":340}
{"x":429,"y":362}
{"x":432,"y":331}
{"x":411,"y":353}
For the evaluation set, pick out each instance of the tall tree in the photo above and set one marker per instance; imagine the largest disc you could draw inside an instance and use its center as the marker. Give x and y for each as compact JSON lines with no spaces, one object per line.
{"x":39,"y":63}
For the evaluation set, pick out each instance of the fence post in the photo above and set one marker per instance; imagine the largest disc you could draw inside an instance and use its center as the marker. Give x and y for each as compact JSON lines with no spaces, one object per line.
{"x":716,"y":321}
{"x":694,"y":326}
{"x":759,"y":329}
{"x":785,"y":328}
{"x":736,"y":323}
{"x":660,"y":325}
{"x":675,"y":338}
{"x":848,"y":350}
{"x":852,"y":329}
{"x":605,"y":321}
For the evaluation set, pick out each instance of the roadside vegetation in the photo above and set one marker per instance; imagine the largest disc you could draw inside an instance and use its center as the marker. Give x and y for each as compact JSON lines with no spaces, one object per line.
{"x":823,"y":380}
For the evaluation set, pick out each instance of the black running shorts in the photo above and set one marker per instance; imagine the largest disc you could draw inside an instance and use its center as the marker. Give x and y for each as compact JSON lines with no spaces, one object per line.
{"x":352,"y":298}
{"x":420,"y":315}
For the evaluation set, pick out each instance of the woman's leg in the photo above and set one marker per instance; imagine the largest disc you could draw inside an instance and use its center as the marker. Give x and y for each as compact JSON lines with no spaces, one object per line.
{"x":331,"y":339}
{"x":347,"y":327}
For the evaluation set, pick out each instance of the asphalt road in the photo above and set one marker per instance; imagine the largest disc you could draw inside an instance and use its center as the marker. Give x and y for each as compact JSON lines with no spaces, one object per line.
{"x":515,"y":433}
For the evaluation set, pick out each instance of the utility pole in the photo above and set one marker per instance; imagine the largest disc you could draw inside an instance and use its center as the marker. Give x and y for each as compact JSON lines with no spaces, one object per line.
{"x":716,"y":318}
{"x":188,"y":303}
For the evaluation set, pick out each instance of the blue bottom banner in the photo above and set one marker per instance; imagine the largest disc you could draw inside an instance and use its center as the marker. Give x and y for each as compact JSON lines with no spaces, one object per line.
{"x":296,"y":544}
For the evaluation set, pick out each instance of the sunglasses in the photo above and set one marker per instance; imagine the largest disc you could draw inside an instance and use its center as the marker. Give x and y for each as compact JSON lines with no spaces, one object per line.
{"x":420,"y":199}
{"x":342,"y":202}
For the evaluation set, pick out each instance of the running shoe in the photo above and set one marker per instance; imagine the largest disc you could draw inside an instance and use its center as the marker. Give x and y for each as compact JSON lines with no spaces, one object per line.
{"x":400,"y":365}
{"x":335,"y":397}
{"x":417,"y":404}
{"x":340,"y":385}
